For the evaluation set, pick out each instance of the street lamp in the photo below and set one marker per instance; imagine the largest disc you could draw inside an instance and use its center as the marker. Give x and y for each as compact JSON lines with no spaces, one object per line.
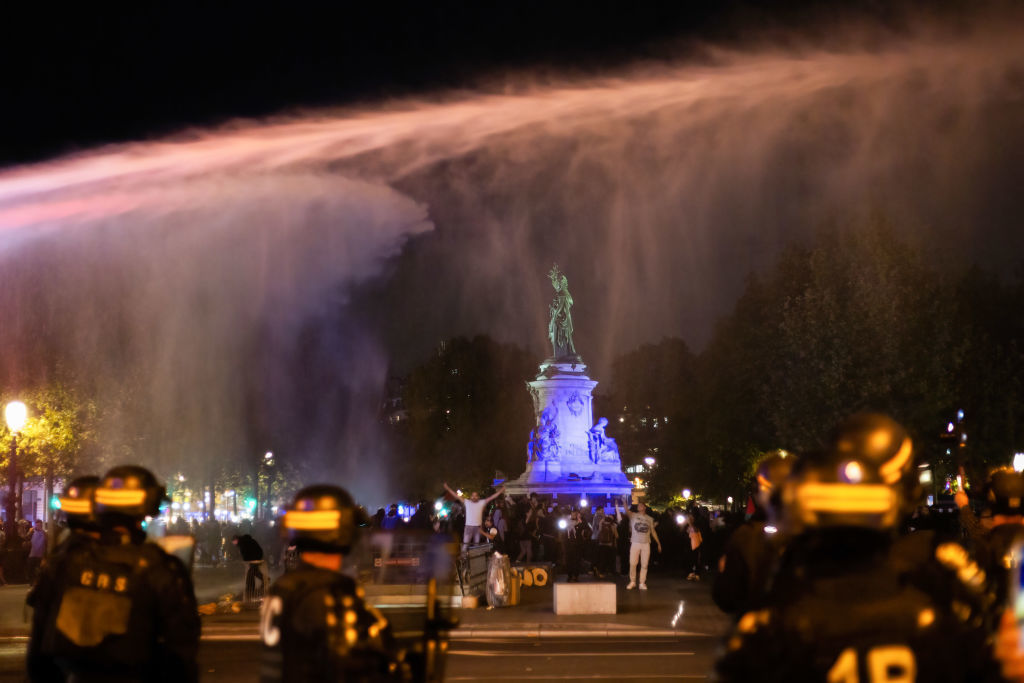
{"x":267,"y":462}
{"x":16,"y":415}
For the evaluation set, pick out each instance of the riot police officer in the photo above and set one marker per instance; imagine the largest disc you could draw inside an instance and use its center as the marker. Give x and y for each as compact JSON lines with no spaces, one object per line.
{"x":120,"y":608}
{"x":314,"y":624}
{"x":1004,"y":493}
{"x":76,"y":506}
{"x":750,"y":552}
{"x":839,"y":609}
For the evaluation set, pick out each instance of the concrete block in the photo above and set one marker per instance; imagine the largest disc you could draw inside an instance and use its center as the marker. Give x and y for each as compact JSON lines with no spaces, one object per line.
{"x":585,"y":598}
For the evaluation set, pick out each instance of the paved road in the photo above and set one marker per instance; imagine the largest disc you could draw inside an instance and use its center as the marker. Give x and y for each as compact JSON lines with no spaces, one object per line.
{"x":598,"y":659}
{"x":670,"y":632}
{"x":607,"y":658}
{"x":231,"y":654}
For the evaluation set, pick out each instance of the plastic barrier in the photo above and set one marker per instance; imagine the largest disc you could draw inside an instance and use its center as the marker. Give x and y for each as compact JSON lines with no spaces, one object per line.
{"x":534,"y":575}
{"x":499,"y":581}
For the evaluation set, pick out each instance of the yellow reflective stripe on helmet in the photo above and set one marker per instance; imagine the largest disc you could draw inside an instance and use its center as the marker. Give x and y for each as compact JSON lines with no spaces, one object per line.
{"x":845,"y":497}
{"x":119,"y":497}
{"x":75,"y":506}
{"x":890,"y":470}
{"x":312,"y":520}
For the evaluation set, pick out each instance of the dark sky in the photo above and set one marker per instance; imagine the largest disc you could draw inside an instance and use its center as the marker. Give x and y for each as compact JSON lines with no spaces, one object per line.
{"x":78,"y":75}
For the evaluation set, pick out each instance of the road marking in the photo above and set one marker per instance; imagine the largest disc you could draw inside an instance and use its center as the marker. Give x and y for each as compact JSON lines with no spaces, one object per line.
{"x":502,"y":653}
{"x":240,"y":637}
{"x":577,"y":677}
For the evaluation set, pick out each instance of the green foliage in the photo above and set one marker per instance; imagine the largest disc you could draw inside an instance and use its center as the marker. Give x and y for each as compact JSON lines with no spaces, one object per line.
{"x":858,"y":321}
{"x":57,"y":439}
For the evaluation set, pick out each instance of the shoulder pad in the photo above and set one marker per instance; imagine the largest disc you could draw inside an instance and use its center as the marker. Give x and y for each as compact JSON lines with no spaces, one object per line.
{"x":954,"y":557}
{"x":747,"y":625}
{"x":751,"y":621}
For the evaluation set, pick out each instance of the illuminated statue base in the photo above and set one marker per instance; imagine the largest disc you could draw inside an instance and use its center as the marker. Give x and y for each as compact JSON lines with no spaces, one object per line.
{"x":568,"y":455}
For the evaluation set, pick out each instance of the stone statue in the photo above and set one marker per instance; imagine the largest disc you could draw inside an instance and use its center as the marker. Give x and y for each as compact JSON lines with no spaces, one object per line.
{"x":602,"y":448}
{"x":560,"y":326}
{"x":543,"y":443}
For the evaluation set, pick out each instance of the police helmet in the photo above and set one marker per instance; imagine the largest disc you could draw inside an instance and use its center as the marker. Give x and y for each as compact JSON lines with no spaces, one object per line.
{"x":1004,"y":490}
{"x":77,"y":504}
{"x":322,"y":518}
{"x":861,"y":478}
{"x":129,"y":491}
{"x":772,"y":471}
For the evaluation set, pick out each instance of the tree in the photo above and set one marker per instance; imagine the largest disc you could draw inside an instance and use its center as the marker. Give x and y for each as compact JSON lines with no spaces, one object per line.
{"x":650,"y":406}
{"x":868,"y":331}
{"x":56,"y":439}
{"x":988,"y":318}
{"x":858,"y":321}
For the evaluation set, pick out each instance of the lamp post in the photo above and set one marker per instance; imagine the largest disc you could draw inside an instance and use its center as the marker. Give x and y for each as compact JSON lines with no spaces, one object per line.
{"x":265,"y":465}
{"x":16,"y":415}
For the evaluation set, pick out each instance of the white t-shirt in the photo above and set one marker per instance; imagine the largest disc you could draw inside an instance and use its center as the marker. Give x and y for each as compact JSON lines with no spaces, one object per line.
{"x":641,"y":526}
{"x":474,"y":512}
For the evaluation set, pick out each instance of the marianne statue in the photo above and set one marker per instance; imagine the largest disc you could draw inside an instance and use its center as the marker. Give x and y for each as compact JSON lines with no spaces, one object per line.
{"x":560,"y":327}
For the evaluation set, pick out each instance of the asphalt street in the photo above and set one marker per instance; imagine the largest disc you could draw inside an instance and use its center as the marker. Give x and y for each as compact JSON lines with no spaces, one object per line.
{"x":671,"y":632}
{"x":607,"y":658}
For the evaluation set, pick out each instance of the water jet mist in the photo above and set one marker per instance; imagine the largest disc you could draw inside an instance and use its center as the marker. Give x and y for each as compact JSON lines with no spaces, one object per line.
{"x":227,"y":264}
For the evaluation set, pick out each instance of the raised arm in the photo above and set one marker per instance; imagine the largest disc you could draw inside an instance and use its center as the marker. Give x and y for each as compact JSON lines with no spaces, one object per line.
{"x":453,"y":494}
{"x":501,"y":489}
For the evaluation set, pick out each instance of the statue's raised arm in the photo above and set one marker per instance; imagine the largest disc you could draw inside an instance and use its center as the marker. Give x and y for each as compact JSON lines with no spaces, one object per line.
{"x":560,"y":326}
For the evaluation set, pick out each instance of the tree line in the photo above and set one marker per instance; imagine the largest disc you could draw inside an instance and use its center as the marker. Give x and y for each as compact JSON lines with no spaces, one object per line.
{"x":859,"y":320}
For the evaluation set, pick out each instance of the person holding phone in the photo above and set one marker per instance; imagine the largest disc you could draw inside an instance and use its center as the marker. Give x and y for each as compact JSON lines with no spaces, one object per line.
{"x":641,"y":529}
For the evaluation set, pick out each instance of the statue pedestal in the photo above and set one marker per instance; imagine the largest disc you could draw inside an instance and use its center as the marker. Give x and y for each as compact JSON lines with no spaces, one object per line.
{"x":564,"y":464}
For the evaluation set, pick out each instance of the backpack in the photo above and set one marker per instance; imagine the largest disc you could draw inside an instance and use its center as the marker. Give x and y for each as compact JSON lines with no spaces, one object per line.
{"x":606,"y":536}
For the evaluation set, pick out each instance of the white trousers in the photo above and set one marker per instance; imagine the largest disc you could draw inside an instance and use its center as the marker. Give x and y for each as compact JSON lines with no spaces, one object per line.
{"x":641,"y":552}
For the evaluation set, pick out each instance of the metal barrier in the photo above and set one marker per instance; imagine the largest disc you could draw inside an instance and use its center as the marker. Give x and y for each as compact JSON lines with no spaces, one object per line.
{"x":472,"y":569}
{"x":255,"y":572}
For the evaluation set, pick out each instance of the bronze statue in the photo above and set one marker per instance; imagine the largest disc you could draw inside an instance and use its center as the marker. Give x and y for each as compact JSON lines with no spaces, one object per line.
{"x":560,"y":326}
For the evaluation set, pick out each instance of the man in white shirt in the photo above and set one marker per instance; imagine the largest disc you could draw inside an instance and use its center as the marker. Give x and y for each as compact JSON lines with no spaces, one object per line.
{"x":641,"y":529}
{"x":474,"y":513}
{"x":37,"y":543}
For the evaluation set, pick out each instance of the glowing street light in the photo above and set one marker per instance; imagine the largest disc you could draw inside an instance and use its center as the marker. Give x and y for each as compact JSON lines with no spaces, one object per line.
{"x":650,"y":461}
{"x":686,"y":493}
{"x":1018,"y":462}
{"x":583,"y":502}
{"x":16,"y":414}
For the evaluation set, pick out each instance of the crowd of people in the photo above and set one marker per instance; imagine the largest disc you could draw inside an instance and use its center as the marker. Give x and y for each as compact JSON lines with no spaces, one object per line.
{"x":25,"y":551}
{"x":596,"y":539}
{"x":836,"y":575}
{"x":111,"y":605}
{"x":214,"y":540}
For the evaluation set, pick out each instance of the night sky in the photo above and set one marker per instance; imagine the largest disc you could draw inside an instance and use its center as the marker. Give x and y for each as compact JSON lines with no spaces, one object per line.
{"x":267,"y":209}
{"x":81,"y":75}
